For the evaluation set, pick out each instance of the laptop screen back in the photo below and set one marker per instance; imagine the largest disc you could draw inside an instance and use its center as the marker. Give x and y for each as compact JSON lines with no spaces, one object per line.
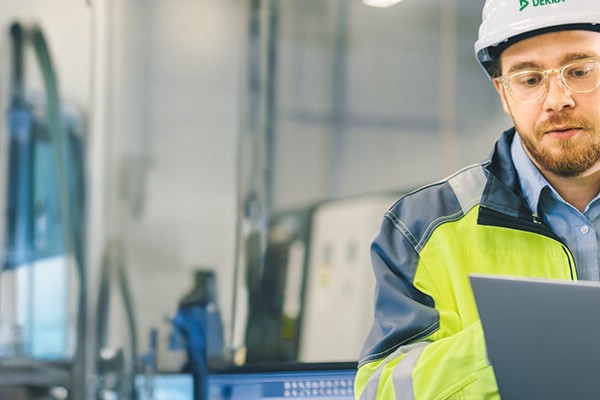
{"x":541,"y":336}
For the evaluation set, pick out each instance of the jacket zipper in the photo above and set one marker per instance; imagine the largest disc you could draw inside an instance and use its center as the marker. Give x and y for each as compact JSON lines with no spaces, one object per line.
{"x":490,"y":217}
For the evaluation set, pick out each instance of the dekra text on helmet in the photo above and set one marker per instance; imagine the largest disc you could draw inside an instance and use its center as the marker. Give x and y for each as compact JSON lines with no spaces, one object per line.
{"x":536,"y":3}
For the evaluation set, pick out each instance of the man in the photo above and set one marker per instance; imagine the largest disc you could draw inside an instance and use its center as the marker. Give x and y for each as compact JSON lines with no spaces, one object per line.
{"x":531,"y":210}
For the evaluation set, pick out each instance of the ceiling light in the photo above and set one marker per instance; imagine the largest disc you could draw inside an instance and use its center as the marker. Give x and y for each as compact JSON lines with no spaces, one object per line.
{"x":380,"y":3}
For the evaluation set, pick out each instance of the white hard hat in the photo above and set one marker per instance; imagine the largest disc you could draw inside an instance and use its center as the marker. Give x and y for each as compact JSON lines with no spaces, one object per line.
{"x":505,"y":22}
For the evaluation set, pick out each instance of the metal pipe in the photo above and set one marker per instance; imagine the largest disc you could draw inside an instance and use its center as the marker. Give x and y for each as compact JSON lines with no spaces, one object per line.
{"x":255,"y":164}
{"x":447,"y":77}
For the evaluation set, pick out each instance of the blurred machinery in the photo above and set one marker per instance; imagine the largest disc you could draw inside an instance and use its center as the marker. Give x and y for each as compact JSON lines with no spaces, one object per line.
{"x":276,"y":295}
{"x":314,"y":300}
{"x":42,"y":280}
{"x":340,"y":285}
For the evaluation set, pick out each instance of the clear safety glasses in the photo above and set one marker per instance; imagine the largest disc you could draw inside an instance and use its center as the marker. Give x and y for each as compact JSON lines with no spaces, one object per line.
{"x":581,"y":76}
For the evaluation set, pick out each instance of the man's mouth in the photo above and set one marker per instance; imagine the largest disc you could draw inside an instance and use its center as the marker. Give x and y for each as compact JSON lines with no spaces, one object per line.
{"x":563,"y":132}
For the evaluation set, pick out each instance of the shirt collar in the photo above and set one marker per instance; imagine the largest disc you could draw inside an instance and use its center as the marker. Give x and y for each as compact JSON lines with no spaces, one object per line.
{"x":531,"y":180}
{"x":533,"y":183}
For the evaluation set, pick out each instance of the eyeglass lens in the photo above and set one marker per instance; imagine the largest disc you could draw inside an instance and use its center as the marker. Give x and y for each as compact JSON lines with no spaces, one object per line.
{"x":579,"y":77}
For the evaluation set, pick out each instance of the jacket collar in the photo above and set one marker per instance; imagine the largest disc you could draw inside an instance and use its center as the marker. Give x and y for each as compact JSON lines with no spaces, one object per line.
{"x":502,"y":192}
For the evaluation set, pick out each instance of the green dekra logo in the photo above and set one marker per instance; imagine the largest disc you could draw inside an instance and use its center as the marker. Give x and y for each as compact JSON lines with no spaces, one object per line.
{"x":523,"y":4}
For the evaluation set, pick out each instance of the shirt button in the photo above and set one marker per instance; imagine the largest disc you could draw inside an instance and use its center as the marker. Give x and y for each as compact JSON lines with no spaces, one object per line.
{"x":585,"y":229}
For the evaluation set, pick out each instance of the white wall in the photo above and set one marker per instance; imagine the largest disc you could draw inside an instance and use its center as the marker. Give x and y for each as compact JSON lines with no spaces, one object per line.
{"x":405,"y":69}
{"x":67,"y":25}
{"x":174,"y":111}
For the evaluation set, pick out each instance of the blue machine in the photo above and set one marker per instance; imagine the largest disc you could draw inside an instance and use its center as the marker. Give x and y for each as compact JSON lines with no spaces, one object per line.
{"x":44,"y":200}
{"x":44,"y":229}
{"x":44,"y":147}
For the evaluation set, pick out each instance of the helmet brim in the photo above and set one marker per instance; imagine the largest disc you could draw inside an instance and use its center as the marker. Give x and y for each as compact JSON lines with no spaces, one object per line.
{"x":488,"y":56}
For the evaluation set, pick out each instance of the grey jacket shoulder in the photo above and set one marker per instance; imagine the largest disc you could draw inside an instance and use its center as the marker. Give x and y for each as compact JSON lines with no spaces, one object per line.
{"x":418,"y":213}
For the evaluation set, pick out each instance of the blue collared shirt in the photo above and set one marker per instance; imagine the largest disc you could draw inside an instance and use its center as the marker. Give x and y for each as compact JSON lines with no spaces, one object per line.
{"x":579,"y":231}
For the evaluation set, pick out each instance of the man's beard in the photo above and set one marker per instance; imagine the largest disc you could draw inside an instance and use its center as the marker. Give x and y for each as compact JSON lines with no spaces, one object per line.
{"x":568,"y":157}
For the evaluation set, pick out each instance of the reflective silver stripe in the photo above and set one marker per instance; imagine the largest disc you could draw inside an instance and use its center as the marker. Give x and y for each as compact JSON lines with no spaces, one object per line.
{"x":402,"y":374}
{"x":370,"y":390}
{"x":468,"y":186}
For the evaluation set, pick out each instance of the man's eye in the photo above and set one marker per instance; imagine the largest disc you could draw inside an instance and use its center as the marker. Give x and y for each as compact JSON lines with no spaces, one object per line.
{"x":579,"y":72}
{"x":528,"y":80}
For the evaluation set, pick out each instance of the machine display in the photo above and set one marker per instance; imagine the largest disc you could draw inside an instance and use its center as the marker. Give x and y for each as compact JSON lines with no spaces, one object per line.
{"x":329,"y":382}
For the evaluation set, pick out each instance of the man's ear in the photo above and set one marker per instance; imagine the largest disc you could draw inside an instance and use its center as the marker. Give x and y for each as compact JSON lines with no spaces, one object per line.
{"x":502,"y":93}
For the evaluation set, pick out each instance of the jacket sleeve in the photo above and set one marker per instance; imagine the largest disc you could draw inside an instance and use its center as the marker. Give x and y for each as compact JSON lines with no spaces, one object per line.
{"x":410,"y":353}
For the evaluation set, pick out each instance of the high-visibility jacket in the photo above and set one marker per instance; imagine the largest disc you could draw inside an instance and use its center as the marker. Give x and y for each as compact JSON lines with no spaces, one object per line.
{"x":426,"y":341}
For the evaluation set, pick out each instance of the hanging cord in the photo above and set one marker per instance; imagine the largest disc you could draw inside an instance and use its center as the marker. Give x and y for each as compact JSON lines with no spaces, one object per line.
{"x":19,"y":226}
{"x":17,"y":87}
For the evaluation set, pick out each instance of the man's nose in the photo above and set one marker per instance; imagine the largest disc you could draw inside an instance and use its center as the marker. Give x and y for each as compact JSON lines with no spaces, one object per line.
{"x":558,"y":96}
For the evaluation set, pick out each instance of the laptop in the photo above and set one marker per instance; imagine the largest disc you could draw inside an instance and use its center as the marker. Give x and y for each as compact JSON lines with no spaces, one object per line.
{"x":542,"y":336}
